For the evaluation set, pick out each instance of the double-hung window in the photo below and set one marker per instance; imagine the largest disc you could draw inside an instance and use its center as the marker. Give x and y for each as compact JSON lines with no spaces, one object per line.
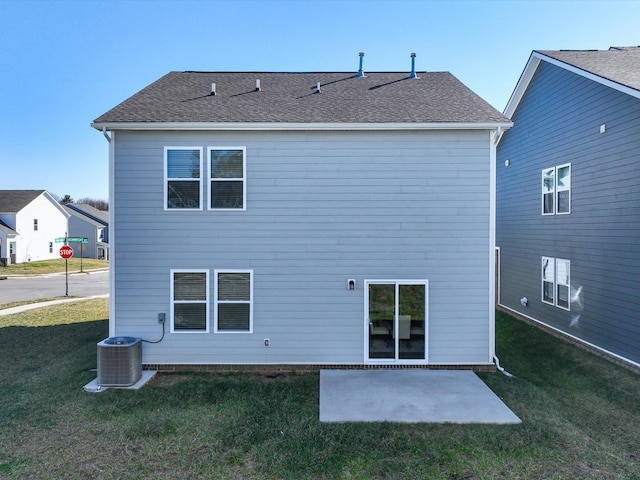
{"x":227,"y":178}
{"x":556,"y":285}
{"x":183,"y":183}
{"x":556,"y":190}
{"x":233,"y":301}
{"x":190,"y":301}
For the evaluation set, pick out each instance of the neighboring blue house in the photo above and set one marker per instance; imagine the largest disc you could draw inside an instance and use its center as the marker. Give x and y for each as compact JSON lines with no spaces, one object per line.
{"x":318,"y":219}
{"x":89,"y":222}
{"x":568,"y":218}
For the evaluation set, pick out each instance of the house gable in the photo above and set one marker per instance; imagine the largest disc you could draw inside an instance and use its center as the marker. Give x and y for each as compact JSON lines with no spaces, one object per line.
{"x":381,"y":180}
{"x":566,"y":118}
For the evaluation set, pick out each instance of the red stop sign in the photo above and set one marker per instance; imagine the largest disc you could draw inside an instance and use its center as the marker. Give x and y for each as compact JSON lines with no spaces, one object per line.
{"x":66,"y":251}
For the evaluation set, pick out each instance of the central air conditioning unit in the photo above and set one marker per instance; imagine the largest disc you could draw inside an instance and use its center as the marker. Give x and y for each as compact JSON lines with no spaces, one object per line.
{"x":119,"y":361}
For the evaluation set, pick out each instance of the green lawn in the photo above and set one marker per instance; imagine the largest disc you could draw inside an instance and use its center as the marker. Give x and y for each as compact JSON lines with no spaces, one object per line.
{"x":581,"y":418}
{"x":53,"y":266}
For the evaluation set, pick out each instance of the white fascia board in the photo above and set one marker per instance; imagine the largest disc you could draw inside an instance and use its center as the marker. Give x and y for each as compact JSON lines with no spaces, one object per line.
{"x":532,"y":66}
{"x":522,"y":85}
{"x":268,"y":126}
{"x":56,"y":204}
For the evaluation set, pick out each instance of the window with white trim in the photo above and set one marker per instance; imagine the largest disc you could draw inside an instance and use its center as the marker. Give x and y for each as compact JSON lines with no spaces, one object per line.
{"x":227,"y":178}
{"x":183,"y":183}
{"x":35,"y":224}
{"x":190,"y":301}
{"x":556,"y":282}
{"x":233,"y":301}
{"x":556,"y":190}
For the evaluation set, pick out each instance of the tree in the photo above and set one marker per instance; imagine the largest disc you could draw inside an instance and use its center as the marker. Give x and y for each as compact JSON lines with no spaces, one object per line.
{"x":66,"y":199}
{"x":101,"y":205}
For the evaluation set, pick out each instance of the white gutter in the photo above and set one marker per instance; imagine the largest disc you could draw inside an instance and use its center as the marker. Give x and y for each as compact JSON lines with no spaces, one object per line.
{"x":274,"y":126}
{"x":106,"y":135}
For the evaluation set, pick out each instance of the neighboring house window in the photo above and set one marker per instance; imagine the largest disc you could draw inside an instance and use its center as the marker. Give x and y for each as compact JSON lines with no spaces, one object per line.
{"x":35,"y":224}
{"x":189,"y":301}
{"x":227,"y":171}
{"x":183,"y":185}
{"x":556,"y":190}
{"x":50,"y":247}
{"x":556,"y":276}
{"x":233,"y":301}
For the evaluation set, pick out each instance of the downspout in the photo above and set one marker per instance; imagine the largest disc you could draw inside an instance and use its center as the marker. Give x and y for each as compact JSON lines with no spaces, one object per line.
{"x":495,"y":138}
{"x":106,"y":135}
{"x":112,"y":233}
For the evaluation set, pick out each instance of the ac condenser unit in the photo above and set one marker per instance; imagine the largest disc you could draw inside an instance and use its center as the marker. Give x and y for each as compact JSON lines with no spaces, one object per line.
{"x":119,"y":361}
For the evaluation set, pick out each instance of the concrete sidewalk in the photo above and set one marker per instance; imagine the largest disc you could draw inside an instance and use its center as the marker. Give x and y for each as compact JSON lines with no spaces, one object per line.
{"x":31,"y":306}
{"x":409,"y":396}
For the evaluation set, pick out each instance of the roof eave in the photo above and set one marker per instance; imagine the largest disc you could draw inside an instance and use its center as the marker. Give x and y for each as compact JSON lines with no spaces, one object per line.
{"x":272,"y":126}
{"x":531,"y":67}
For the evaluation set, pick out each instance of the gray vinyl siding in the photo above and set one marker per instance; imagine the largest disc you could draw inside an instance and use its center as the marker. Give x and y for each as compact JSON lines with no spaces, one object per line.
{"x":321,"y":208}
{"x":558,"y":121}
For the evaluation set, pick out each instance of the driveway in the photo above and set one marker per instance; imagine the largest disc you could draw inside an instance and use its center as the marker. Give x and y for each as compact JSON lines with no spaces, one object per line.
{"x":18,"y":289}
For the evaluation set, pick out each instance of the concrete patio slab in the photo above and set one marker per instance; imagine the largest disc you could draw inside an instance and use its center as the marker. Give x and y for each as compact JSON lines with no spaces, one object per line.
{"x":409,"y":396}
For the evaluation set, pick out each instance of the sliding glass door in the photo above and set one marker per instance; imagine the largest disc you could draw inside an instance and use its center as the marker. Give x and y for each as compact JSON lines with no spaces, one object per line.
{"x":396,"y":319}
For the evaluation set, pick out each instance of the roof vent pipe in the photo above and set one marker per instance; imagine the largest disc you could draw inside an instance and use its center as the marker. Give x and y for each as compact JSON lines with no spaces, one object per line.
{"x":413,"y":66}
{"x":213,"y":89}
{"x":318,"y":87}
{"x":360,"y":72}
{"x":258,"y":85}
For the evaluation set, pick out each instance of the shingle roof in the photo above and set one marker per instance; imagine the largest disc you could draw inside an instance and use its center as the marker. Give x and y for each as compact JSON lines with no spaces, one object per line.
{"x":88,"y":213}
{"x":7,"y":229}
{"x":378,"y":97}
{"x":12,"y":201}
{"x":618,"y":64}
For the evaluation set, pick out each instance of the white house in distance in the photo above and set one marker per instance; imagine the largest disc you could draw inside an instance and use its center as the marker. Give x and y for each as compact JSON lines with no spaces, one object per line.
{"x":30,"y":221}
{"x":304,"y":219}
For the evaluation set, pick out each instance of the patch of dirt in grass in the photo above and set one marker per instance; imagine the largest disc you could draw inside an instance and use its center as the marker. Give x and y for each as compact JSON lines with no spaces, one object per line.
{"x":160,"y":380}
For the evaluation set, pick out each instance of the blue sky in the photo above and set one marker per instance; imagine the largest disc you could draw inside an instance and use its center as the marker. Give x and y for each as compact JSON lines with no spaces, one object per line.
{"x":64,"y":63}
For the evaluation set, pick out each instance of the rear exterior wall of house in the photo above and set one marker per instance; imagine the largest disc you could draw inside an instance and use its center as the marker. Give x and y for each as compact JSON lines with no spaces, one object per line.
{"x":321,"y":208}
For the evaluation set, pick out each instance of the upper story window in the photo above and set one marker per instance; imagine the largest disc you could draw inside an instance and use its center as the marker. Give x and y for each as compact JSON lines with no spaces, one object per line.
{"x":35,"y":224}
{"x":556,"y":276}
{"x":227,"y":172}
{"x":556,"y":190}
{"x":183,"y":183}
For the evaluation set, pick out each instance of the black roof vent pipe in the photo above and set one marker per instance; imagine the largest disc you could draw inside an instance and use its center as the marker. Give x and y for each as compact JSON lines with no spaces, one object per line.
{"x":413,"y":66}
{"x":360,"y":72}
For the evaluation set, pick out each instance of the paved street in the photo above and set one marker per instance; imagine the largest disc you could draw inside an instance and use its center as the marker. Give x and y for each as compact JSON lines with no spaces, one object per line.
{"x":15,"y":289}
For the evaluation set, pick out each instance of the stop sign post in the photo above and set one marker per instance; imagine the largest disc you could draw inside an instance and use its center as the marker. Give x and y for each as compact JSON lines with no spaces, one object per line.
{"x":66,"y":252}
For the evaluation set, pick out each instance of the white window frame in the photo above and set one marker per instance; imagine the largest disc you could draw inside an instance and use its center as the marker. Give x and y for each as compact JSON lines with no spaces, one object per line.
{"x":562,"y":189}
{"x":552,"y":263}
{"x":243,"y":179}
{"x":556,"y":189}
{"x":167,"y":180}
{"x":566,"y":282}
{"x":557,"y":281}
{"x":217,"y":302}
{"x":206,"y":301}
{"x":35,"y":224}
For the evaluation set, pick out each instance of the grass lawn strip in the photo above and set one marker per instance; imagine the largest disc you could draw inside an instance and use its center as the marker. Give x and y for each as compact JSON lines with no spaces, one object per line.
{"x":580,"y":413}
